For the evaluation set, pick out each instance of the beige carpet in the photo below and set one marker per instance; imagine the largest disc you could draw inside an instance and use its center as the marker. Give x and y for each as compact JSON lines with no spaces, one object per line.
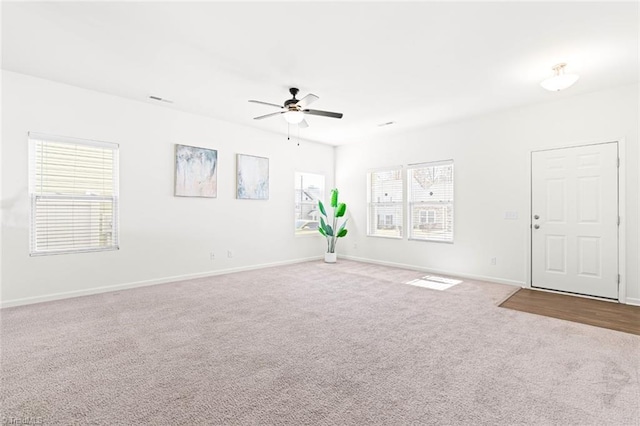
{"x":312,"y":344}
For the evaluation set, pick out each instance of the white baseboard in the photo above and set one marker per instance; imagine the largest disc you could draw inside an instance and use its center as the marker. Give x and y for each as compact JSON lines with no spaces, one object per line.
{"x":117,"y":287}
{"x":632,"y":301}
{"x":437,"y":271}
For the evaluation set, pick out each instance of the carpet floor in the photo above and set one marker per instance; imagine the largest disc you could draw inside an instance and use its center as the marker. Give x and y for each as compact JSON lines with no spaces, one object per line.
{"x":311,"y":344}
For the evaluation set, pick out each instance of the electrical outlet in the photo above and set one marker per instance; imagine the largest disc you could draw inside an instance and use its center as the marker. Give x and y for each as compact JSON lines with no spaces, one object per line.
{"x":229,"y":253}
{"x":494,"y":261}
{"x":212,"y":256}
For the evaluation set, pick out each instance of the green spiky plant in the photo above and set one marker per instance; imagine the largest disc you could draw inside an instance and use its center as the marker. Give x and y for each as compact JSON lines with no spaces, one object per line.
{"x":332,"y":232}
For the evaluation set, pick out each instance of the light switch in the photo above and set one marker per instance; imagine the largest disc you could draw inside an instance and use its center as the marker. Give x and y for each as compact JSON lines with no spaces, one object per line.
{"x":511,"y":215}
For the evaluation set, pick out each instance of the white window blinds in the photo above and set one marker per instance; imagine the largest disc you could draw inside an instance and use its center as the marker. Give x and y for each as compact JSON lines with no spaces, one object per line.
{"x":430,"y":193}
{"x":385,"y":203}
{"x":73,"y":186}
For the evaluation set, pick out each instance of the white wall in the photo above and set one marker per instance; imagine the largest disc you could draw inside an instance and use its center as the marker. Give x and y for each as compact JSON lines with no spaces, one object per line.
{"x":162,"y":236}
{"x":165,"y":237}
{"x":491,"y":155}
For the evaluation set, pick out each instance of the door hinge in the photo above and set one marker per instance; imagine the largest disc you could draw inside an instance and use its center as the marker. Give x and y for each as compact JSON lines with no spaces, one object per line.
{"x":618,"y":220}
{"x":618,"y":278}
{"x":618,"y":162}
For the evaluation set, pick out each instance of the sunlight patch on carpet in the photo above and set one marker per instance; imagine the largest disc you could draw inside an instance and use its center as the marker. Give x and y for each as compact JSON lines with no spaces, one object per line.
{"x":434,"y":282}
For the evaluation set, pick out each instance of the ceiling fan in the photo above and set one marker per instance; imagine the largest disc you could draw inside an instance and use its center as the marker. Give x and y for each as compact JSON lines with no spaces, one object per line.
{"x":294,"y":109}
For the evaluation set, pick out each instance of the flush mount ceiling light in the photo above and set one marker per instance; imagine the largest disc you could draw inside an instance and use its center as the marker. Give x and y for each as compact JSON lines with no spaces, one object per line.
{"x":560,"y":80}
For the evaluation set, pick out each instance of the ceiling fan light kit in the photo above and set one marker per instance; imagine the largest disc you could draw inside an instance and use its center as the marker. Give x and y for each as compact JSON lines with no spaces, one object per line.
{"x":560,"y":79}
{"x":294,"y":110}
{"x":294,"y":117}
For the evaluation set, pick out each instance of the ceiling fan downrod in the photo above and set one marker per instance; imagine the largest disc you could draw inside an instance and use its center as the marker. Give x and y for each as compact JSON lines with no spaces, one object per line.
{"x":294,"y":91}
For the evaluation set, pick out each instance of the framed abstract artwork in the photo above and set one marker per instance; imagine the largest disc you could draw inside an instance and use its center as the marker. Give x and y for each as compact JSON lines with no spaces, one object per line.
{"x":196,"y":172}
{"x":252,"y":177}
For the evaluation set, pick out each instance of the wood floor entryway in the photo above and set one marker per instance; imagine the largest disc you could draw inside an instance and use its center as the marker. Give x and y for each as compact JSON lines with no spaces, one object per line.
{"x":615,"y":316}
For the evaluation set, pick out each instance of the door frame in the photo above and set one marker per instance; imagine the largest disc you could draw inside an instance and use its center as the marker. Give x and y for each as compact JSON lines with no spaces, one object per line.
{"x":622,"y":188}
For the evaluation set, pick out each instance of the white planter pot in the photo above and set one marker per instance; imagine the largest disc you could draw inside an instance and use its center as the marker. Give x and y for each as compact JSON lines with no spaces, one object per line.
{"x":330,"y":257}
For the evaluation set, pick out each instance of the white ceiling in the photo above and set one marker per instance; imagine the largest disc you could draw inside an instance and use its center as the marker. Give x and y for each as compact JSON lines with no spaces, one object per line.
{"x":418,"y":63}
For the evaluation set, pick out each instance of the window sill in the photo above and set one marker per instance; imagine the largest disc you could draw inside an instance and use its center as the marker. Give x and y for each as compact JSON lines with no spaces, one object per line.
{"x":388,"y":237}
{"x":57,"y":252}
{"x":430,"y":241}
{"x":310,"y":234}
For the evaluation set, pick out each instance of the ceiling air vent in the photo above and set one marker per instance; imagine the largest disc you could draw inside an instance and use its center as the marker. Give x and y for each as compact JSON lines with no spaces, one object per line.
{"x":159,"y":99}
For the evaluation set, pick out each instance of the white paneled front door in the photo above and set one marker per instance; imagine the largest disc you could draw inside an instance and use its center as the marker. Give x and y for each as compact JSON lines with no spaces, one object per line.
{"x":574,"y":218}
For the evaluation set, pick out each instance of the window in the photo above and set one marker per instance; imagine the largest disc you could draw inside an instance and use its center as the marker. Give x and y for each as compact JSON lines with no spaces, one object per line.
{"x":423,"y":216}
{"x":385,"y":203}
{"x":430,"y":190}
{"x":73,"y":187}
{"x":388,"y":220}
{"x":431,"y":216}
{"x":309,"y":188}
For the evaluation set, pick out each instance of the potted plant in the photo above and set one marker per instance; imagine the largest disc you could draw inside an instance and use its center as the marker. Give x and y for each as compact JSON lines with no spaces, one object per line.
{"x":332,"y":232}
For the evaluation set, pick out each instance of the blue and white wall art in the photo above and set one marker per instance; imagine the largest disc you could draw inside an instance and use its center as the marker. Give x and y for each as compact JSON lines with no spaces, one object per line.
{"x":196,"y":172}
{"x":253,"y":177}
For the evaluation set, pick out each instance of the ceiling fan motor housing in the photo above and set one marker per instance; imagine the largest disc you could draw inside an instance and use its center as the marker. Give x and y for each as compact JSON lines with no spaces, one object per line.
{"x":294,"y":92}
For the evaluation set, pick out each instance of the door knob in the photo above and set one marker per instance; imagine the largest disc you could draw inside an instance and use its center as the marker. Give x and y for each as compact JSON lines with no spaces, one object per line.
{"x":536,"y":226}
{"x":536,"y":217}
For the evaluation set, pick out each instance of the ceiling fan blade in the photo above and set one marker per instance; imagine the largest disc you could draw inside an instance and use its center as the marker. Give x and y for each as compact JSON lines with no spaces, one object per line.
{"x":303,"y":124}
{"x":302,"y":103}
{"x":269,"y":115}
{"x":265,"y":103}
{"x":323,"y":113}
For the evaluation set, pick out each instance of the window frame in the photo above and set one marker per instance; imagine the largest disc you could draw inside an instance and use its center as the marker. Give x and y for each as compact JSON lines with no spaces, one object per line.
{"x":34,"y":139}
